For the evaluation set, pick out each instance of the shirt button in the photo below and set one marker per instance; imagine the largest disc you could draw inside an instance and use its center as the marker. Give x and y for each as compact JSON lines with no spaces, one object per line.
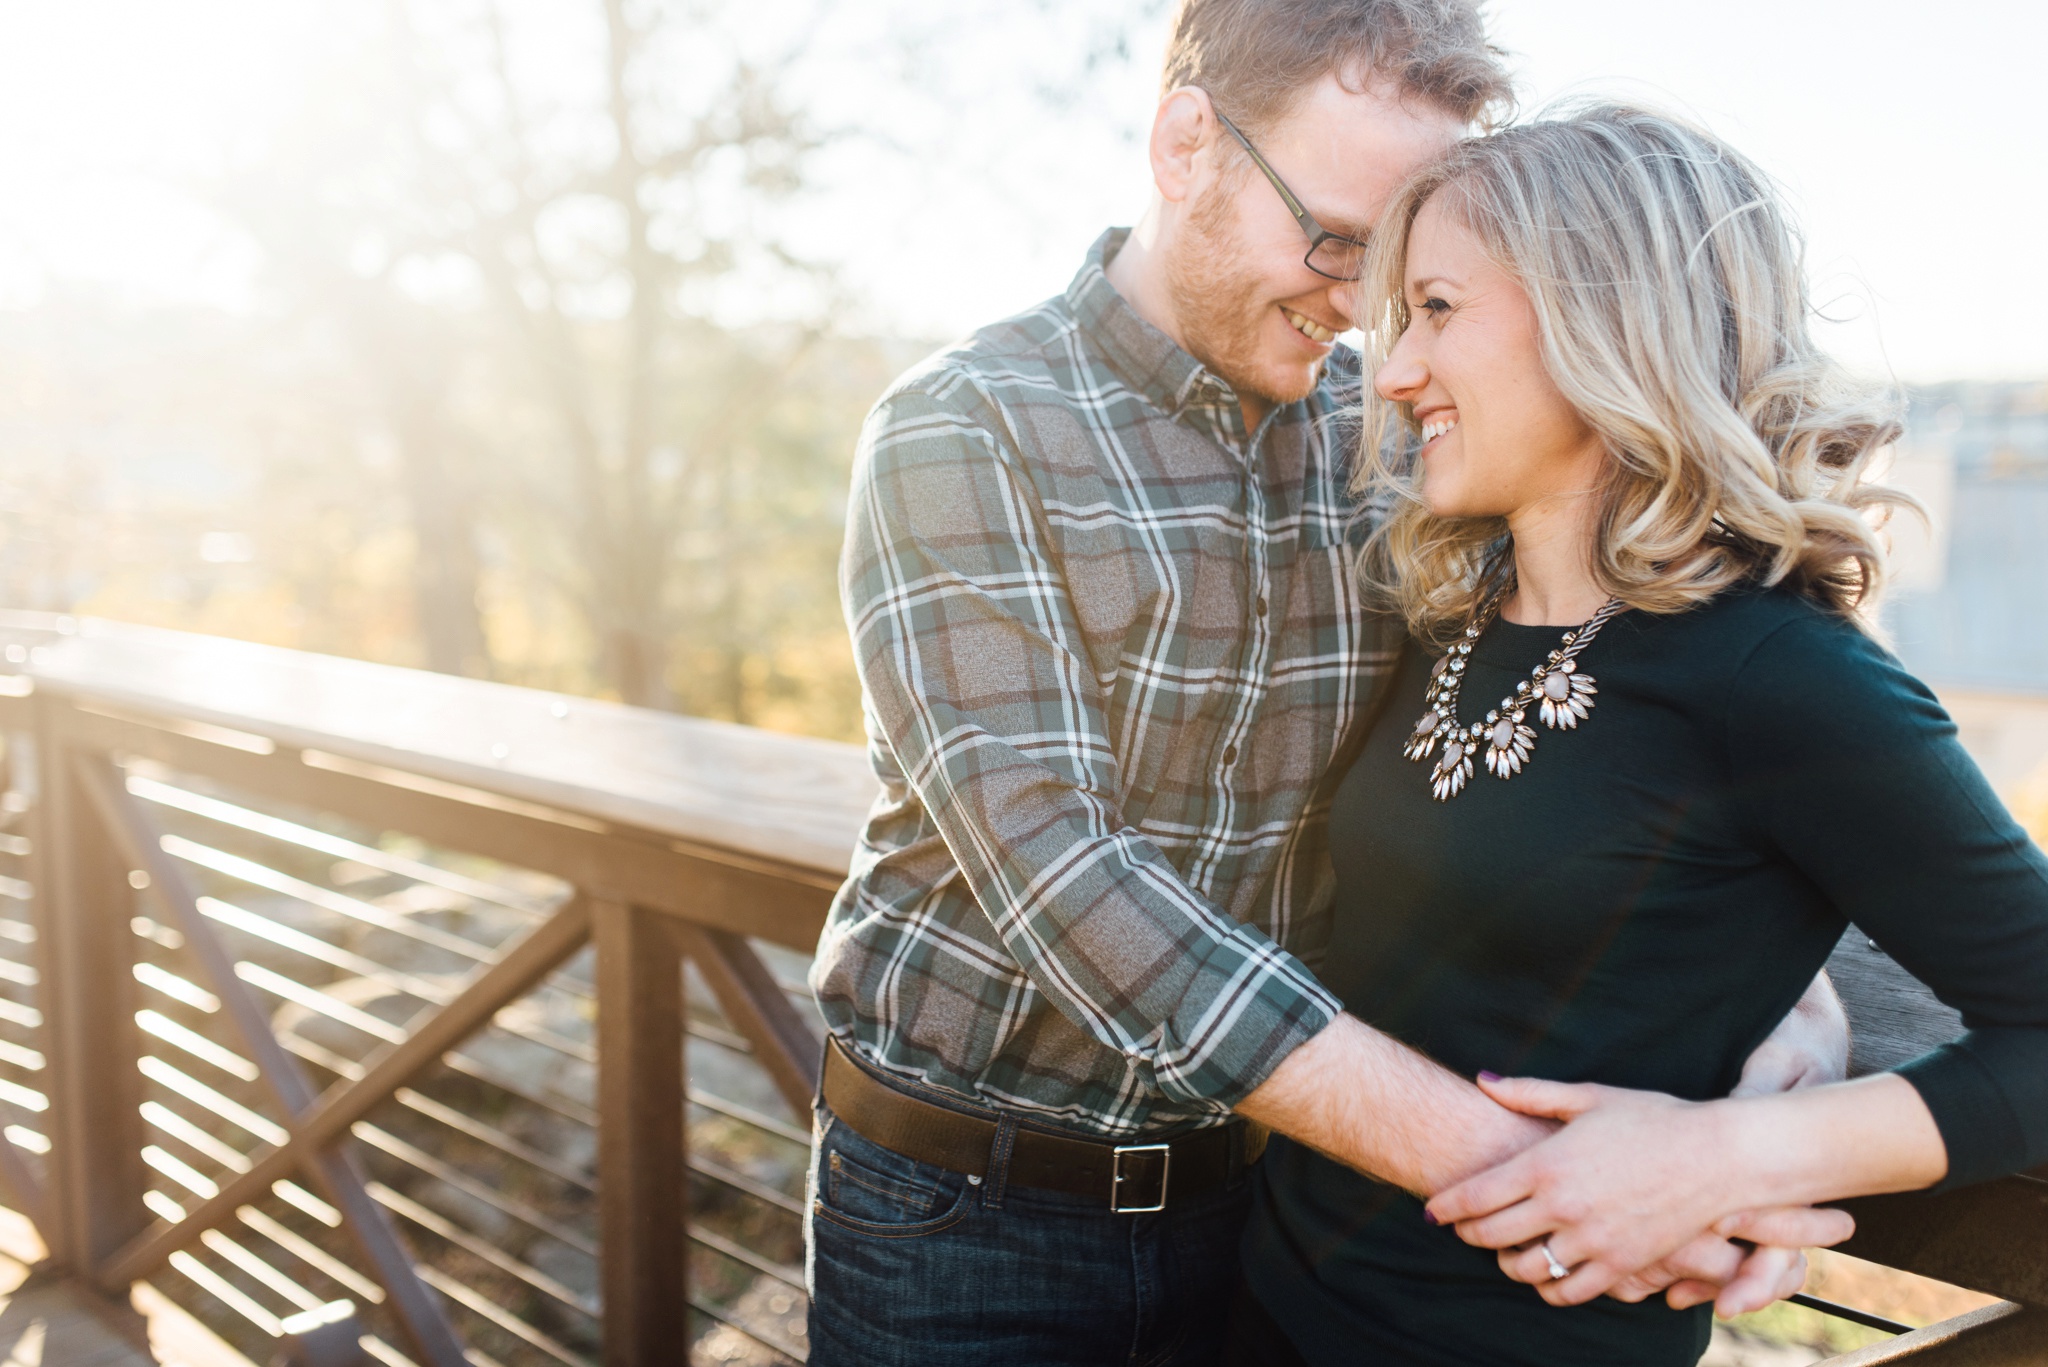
{"x":1261,"y":605}
{"x":1229,"y":754}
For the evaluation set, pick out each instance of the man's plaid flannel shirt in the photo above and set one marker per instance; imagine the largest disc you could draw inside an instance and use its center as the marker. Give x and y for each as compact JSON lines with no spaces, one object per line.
{"x":1110,"y":656}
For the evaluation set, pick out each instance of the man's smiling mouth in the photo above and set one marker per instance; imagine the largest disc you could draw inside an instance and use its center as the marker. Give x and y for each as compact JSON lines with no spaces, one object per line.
{"x":1309,"y":327}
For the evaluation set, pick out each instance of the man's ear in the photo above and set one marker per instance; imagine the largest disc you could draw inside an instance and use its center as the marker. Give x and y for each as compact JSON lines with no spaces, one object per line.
{"x":1184,"y":124}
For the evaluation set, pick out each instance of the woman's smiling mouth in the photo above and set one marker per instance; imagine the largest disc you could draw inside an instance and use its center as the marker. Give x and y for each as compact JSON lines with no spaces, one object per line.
{"x":1437,"y":426}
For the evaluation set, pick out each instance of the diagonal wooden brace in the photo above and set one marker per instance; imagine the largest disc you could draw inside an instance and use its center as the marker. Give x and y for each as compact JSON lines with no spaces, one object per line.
{"x":418,"y":1309}
{"x":784,"y":1043}
{"x":539,"y":954}
{"x":319,"y":1124}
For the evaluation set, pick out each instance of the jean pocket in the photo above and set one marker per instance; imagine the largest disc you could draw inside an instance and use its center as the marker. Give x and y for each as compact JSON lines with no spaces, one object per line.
{"x":858,"y":1190}
{"x":867,"y":1188}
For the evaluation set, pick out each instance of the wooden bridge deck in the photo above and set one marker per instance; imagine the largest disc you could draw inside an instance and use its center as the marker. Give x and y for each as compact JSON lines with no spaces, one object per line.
{"x":63,"y":1323}
{"x":55,"y":1325}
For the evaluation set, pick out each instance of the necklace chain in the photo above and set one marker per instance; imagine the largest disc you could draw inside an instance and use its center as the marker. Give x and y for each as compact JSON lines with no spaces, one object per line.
{"x":1560,"y":691}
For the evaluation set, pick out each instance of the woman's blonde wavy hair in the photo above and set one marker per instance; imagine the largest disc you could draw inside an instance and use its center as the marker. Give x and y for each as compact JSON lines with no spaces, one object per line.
{"x":1670,"y":295}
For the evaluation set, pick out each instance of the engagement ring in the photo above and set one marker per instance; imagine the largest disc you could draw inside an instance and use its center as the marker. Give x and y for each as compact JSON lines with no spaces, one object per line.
{"x":1558,"y":1271}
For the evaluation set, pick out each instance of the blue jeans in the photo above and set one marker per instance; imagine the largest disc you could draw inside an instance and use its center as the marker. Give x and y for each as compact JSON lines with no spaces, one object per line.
{"x":910,"y":1265}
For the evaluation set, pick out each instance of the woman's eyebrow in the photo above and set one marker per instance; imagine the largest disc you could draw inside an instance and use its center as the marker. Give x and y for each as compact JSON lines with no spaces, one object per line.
{"x":1429,"y":280}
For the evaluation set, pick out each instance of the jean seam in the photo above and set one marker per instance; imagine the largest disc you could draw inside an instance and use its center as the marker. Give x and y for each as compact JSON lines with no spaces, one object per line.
{"x":958,"y":1212}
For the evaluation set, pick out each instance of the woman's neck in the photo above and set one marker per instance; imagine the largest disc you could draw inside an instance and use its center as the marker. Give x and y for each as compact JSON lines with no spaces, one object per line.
{"x":1554,"y":583}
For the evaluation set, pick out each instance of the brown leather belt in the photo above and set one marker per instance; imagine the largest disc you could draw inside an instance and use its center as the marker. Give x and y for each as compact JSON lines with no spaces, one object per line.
{"x":1127,"y":1178}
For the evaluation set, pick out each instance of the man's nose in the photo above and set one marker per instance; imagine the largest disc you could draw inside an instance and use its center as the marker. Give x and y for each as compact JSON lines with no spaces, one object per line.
{"x":1344,"y":301}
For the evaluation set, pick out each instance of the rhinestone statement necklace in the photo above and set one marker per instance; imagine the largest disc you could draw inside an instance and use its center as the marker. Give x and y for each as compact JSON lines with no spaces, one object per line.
{"x":1562,"y":693}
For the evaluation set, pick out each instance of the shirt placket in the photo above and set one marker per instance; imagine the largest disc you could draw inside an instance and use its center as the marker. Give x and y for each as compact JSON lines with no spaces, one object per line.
{"x":1221,"y":846}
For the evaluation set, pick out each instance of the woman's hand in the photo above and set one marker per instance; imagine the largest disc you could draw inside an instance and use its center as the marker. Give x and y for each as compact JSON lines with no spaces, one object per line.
{"x":1633,"y":1178}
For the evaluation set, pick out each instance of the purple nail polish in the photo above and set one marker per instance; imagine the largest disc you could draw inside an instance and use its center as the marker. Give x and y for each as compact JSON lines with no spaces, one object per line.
{"x":1485,"y":1076}
{"x":1430,"y":1216}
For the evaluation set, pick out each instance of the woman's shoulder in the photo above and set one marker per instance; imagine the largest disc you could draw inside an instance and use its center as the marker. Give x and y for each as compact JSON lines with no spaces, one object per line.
{"x":1803,"y":667}
{"x":1774,"y":643}
{"x":1734,"y":624}
{"x":1791,"y":628}
{"x":1765,"y":608}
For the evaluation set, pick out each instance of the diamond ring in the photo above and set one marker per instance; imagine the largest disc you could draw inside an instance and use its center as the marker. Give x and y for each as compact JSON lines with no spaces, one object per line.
{"x":1558,"y":1271}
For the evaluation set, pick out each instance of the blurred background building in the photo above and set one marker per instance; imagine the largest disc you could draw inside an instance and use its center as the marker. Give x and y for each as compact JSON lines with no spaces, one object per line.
{"x":1969,"y":611}
{"x":1973,"y":611}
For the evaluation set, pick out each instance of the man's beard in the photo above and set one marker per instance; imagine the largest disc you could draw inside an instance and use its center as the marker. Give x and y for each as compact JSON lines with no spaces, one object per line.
{"x":1216,"y":298}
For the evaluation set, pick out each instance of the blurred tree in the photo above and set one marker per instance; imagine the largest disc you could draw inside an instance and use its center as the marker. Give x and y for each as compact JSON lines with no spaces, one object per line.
{"x":466,"y":225}
{"x":335,"y":204}
{"x":651,"y":405}
{"x":546,"y":379}
{"x":526,"y":221}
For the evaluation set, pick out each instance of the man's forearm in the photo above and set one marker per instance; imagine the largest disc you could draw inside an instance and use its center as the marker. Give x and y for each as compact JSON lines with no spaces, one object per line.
{"x":1376,"y":1105}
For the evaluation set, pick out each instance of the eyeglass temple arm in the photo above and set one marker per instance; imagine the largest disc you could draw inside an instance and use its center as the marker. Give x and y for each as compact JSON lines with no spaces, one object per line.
{"x":1315,"y":230}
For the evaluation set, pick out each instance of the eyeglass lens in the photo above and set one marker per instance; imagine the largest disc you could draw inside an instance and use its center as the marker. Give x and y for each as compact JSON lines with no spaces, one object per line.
{"x":1338,"y":257}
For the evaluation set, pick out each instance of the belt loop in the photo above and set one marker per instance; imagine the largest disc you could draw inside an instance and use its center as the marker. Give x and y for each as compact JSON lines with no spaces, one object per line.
{"x":824,"y":1067}
{"x":999,"y":1163}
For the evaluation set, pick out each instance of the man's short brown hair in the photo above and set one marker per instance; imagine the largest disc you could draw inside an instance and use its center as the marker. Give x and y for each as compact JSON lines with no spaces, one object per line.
{"x":1256,"y":57}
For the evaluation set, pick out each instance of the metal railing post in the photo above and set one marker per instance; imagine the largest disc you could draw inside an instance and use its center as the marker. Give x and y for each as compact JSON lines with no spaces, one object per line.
{"x":643,"y":1191}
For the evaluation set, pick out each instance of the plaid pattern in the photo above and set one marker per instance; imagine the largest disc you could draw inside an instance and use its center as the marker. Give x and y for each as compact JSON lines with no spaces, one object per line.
{"x":1109,"y":655}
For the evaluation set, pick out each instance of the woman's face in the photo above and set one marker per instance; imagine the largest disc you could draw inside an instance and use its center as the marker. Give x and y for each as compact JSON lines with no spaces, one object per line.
{"x":1499,"y":437}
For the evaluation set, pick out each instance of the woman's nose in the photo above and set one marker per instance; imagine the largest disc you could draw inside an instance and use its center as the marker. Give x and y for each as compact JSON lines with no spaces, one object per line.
{"x":1402,"y":377}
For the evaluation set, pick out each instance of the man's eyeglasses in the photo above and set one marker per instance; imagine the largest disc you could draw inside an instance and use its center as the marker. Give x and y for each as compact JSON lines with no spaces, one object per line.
{"x":1331,"y":255}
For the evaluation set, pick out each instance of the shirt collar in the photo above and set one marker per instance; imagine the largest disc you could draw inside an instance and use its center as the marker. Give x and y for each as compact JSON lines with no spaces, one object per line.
{"x":1143,"y":357}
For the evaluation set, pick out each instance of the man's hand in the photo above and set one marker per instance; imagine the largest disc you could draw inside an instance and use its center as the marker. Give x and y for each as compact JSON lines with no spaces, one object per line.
{"x":1736,"y":1277}
{"x":1633,"y":1178}
{"x":1810,"y":1046}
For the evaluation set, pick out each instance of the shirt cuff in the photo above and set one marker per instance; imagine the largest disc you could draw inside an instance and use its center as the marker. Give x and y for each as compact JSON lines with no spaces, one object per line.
{"x":1983,"y":1136}
{"x":1266,"y":1006}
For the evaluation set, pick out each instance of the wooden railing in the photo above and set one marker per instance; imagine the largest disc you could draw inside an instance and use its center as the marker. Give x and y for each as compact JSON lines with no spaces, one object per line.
{"x":384,"y":1015}
{"x":293,"y":1061}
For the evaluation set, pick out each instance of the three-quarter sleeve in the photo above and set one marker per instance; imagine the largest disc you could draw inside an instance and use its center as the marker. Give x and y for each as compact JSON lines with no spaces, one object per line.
{"x":979,"y":682}
{"x":1854,"y":772}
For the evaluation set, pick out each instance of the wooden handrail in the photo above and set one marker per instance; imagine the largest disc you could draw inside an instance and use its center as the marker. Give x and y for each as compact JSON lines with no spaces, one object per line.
{"x":789,"y":801}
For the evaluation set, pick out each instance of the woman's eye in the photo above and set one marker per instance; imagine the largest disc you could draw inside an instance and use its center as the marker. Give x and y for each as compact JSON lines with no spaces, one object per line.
{"x":1435,"y":306}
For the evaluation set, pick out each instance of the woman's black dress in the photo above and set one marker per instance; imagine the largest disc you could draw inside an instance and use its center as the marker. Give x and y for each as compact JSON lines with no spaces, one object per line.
{"x":1640,"y":907}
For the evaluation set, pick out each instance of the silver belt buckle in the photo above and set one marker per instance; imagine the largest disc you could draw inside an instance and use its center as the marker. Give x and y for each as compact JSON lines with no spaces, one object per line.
{"x":1116,"y":1177}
